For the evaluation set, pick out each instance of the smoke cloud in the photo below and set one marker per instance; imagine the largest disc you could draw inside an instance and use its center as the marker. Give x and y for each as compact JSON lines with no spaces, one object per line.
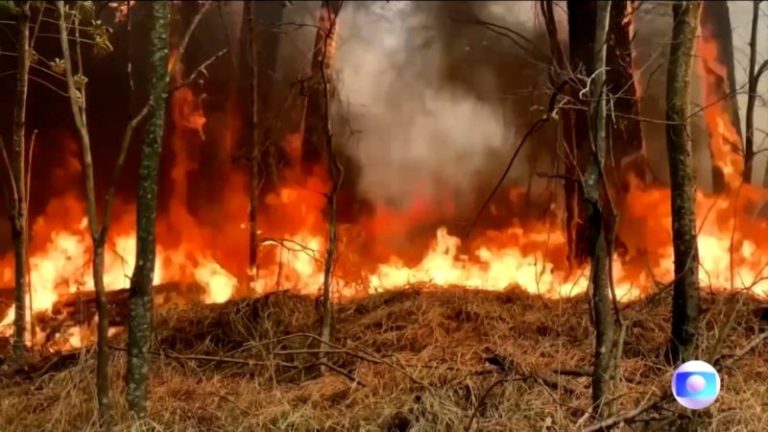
{"x":421,"y":135}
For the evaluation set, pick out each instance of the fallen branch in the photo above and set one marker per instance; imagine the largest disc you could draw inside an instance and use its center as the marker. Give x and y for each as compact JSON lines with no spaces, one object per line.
{"x":484,"y":396}
{"x":733,"y":358}
{"x":341,"y":372}
{"x":215,"y":359}
{"x":629,"y":415}
{"x":362,"y":354}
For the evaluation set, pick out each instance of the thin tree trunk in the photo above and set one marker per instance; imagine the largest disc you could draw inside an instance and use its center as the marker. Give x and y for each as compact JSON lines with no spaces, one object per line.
{"x":335,"y":170}
{"x":685,"y":297}
{"x":254,"y":180}
{"x":752,"y":80}
{"x":258,"y":43}
{"x":19,"y":213}
{"x":77,"y":99}
{"x":593,"y":182}
{"x":140,"y":303}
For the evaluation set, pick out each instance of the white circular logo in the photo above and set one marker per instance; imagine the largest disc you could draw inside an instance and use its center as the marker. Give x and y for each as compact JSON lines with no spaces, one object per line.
{"x":695,"y":384}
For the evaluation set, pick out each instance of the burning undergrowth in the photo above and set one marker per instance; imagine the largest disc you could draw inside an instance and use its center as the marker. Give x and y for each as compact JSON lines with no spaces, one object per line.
{"x":415,"y":359}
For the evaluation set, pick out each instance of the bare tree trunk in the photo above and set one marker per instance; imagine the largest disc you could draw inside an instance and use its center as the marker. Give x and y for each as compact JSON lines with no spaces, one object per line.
{"x":720,"y":95}
{"x":685,"y":297}
{"x":752,"y":80}
{"x":19,"y":213}
{"x":98,"y":231}
{"x":77,"y":98}
{"x":593,"y":182}
{"x":259,"y":44}
{"x":626,"y":153}
{"x":335,"y":171}
{"x":254,"y":180}
{"x":140,"y":304}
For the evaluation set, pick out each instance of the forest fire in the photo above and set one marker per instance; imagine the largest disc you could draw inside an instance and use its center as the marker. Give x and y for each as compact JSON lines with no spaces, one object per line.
{"x":244,"y":215}
{"x":530,"y":255}
{"x":527,"y":254}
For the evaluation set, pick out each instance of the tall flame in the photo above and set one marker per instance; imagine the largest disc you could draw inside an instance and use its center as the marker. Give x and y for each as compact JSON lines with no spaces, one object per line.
{"x":725,"y":142}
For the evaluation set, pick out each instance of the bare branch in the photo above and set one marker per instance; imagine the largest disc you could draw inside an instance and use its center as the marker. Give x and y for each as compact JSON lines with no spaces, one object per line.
{"x":116,"y":174}
{"x":7,"y":163}
{"x":200,"y":69}
{"x":549,"y":115}
{"x":188,"y":34}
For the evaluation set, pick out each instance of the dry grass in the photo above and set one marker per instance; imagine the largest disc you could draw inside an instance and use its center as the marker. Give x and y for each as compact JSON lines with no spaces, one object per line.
{"x":407,"y":360}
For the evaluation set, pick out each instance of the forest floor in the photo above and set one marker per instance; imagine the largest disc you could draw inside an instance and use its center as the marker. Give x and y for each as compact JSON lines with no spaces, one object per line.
{"x":416,"y":359}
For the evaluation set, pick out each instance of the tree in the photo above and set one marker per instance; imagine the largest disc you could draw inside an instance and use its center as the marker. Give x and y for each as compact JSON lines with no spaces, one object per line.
{"x":140,"y":302}
{"x":753,"y":78}
{"x":261,"y":51}
{"x":76,"y":90}
{"x":317,"y":140}
{"x":254,"y":174}
{"x":685,"y":296}
{"x":19,"y":201}
{"x":596,"y":214}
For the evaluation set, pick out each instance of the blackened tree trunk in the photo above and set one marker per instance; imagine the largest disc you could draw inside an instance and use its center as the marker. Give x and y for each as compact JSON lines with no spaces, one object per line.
{"x":626,"y":155}
{"x":254,"y":180}
{"x":685,"y":297}
{"x":720,"y":81}
{"x":594,"y":194}
{"x":19,"y":210}
{"x":581,"y":32}
{"x":753,"y":78}
{"x":140,"y":304}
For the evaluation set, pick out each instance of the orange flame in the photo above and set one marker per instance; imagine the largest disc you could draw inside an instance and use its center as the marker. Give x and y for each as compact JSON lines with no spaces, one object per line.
{"x":725,"y":143}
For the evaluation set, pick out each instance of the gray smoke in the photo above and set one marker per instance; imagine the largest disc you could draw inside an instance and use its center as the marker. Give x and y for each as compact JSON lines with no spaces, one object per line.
{"x":420,"y":133}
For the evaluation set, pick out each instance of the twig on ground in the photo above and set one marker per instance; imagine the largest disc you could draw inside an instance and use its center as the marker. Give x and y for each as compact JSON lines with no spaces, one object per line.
{"x":484,"y":396}
{"x":629,"y":415}
{"x":360,"y":353}
{"x":733,"y":358}
{"x":341,"y":372}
